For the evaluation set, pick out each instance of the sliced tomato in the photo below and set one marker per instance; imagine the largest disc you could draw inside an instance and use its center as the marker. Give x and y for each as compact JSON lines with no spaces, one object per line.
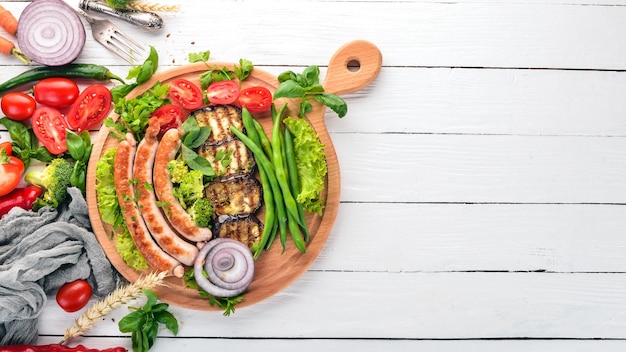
{"x":91,"y":107}
{"x":255,"y":99}
{"x":185,"y":94}
{"x":50,"y":128}
{"x":18,"y":106}
{"x":169,"y":116}
{"x":57,"y":92}
{"x":11,"y":171}
{"x":74,"y":295}
{"x":223,"y":92}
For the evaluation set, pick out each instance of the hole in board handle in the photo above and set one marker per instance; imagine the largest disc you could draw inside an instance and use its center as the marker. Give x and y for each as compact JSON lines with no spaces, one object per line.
{"x":354,"y":65}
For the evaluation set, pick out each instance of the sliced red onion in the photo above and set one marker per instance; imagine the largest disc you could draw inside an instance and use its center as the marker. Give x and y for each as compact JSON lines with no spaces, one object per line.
{"x":229,"y":265}
{"x":50,"y":32}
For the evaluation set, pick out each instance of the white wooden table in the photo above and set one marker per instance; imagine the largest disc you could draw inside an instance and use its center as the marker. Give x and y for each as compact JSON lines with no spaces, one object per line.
{"x":483,"y":183}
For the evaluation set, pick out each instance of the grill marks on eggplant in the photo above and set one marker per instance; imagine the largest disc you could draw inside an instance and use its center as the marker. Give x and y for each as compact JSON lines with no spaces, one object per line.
{"x":235,"y":193}
{"x":246,"y":229}
{"x":239,"y":196}
{"x":220,"y":118}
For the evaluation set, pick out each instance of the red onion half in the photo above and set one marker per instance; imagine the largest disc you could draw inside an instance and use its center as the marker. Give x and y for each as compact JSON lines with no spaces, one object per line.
{"x":229,"y":265}
{"x":50,"y":32}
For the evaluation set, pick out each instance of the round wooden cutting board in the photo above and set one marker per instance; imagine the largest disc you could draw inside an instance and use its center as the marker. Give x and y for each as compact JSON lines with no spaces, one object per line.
{"x":353,"y":67}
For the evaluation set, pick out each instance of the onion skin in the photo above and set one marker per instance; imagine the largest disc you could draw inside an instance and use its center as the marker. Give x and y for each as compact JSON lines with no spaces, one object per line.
{"x":50,"y":32}
{"x":229,"y":265}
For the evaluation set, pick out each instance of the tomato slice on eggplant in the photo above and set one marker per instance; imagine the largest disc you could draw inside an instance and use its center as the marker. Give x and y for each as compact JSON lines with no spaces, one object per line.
{"x":50,"y":127}
{"x":255,"y":99}
{"x":169,"y":116}
{"x":223,"y":92}
{"x":91,"y":107}
{"x":185,"y":94}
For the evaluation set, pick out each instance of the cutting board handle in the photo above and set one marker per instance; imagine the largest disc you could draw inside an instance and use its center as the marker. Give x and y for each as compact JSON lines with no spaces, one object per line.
{"x":353,"y":67}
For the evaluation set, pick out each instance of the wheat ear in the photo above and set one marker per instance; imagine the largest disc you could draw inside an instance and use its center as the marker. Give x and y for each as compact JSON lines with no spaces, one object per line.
{"x":121,"y":295}
{"x":154,"y":7}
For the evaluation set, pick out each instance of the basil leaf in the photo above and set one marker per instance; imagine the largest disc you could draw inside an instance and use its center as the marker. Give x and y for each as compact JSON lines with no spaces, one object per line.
{"x":289,"y":89}
{"x":18,"y":131}
{"x":132,"y":321}
{"x":42,"y":154}
{"x":334,"y":102}
{"x":151,"y":299}
{"x":145,"y":72}
{"x":202,"y":136}
{"x":168,"y":320}
{"x":74,"y":145}
{"x":287,"y":76}
{"x":310,"y":76}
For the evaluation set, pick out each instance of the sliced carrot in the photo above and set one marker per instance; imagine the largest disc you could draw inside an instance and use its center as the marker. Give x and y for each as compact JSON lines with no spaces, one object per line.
{"x":8,"y":21}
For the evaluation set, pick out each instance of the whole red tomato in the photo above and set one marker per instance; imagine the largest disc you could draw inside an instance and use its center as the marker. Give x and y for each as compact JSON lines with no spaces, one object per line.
{"x":18,"y":106}
{"x":11,"y":170}
{"x":56,"y":92}
{"x":74,"y":295}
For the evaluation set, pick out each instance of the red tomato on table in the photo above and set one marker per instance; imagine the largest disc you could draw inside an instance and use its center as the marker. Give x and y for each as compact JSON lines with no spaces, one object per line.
{"x":185,"y":94}
{"x":56,"y":92}
{"x":11,"y":170}
{"x":74,"y":295}
{"x":255,"y":99}
{"x":169,"y":116}
{"x":18,"y":106}
{"x":223,"y":92}
{"x":50,"y":127}
{"x":91,"y":107}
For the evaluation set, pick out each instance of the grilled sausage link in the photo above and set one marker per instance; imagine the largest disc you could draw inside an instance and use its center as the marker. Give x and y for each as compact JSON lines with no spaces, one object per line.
{"x":164,"y":235}
{"x":154,"y":255}
{"x":178,"y":217}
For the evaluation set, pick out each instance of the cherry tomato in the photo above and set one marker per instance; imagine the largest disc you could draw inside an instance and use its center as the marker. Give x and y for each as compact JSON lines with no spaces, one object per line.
{"x":18,"y":106}
{"x":185,"y":94}
{"x":57,"y":92}
{"x":11,"y":171}
{"x":223,"y":92}
{"x":7,"y":146}
{"x":74,"y":295}
{"x":169,"y":116}
{"x":50,"y":128}
{"x":255,"y":99}
{"x":91,"y":107}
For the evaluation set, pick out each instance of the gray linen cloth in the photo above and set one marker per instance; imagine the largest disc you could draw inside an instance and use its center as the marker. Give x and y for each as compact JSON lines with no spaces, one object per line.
{"x":41,"y":251}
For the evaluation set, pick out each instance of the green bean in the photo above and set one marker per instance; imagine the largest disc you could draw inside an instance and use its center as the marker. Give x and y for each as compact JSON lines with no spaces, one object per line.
{"x":281,"y":201}
{"x":270,"y":207}
{"x":79,"y":71}
{"x":264,"y":141}
{"x":292,"y":173}
{"x":296,"y":235}
{"x":279,"y":166}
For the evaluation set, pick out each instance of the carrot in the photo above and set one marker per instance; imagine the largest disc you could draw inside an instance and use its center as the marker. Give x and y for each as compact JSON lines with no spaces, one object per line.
{"x":8,"y":21}
{"x":8,"y":48}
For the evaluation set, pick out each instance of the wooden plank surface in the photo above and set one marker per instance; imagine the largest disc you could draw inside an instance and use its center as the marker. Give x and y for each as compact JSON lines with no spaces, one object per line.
{"x":482,"y":177}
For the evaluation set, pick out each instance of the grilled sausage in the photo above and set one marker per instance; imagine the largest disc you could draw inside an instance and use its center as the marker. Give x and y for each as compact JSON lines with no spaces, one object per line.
{"x":178,"y":217}
{"x":165,"y":236}
{"x":154,"y":255}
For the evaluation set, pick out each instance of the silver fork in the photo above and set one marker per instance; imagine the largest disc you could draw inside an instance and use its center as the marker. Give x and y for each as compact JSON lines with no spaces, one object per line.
{"x":118,"y":42}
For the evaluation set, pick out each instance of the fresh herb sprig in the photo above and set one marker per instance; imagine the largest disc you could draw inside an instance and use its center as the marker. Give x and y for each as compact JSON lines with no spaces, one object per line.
{"x":306,"y":85}
{"x":143,"y":323}
{"x":225,"y":303}
{"x":25,"y":144}
{"x":217,"y":74}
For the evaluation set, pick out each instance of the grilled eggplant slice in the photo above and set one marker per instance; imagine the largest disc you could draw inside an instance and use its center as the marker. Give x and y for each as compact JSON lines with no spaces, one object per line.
{"x":229,"y":159}
{"x":238,"y":196}
{"x":246,"y":229}
{"x":220,"y":118}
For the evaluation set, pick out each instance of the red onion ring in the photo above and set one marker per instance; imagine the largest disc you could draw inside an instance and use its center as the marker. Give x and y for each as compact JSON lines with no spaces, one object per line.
{"x":229,"y":265}
{"x":50,"y":32}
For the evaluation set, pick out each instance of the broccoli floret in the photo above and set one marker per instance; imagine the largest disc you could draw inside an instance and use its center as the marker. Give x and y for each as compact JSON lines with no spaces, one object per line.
{"x":54,"y":179}
{"x":177,"y":169}
{"x":201,"y":212}
{"x":190,"y":188}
